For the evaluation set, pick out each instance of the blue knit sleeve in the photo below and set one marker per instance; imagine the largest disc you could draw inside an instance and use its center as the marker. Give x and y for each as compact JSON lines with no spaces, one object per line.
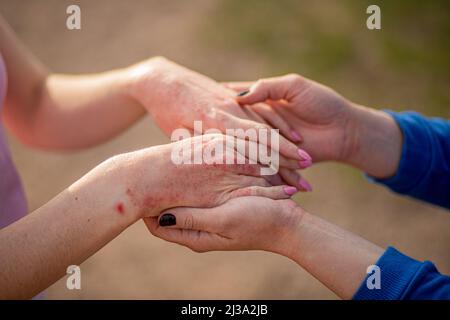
{"x":424,"y":168}
{"x":404,"y":278}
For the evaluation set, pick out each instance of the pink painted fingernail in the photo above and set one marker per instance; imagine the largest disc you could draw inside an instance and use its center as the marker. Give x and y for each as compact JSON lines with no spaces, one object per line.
{"x":296,"y":136}
{"x":304,"y":184}
{"x":305,"y":163}
{"x":290,"y":190}
{"x":304,"y":155}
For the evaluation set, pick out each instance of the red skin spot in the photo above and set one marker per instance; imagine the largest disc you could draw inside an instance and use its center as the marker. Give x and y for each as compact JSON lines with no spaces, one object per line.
{"x":120,"y":208}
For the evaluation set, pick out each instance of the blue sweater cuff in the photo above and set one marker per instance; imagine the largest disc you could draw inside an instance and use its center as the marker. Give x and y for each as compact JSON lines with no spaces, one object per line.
{"x":397,"y":272}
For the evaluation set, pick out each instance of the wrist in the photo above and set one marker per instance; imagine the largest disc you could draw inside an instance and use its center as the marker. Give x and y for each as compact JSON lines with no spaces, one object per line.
{"x":147,"y":81}
{"x":104,"y":191}
{"x":141,"y":175}
{"x":286,"y":243}
{"x":378,"y":142}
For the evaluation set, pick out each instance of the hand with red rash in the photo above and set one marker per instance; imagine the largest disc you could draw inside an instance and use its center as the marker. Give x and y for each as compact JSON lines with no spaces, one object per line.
{"x":152,"y":182}
{"x":175,"y":97}
{"x":332,"y":127}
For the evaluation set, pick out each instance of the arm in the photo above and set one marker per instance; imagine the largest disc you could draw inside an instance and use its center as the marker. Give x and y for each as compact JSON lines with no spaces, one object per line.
{"x":334,"y":256}
{"x":55,"y":111}
{"x":339,"y":259}
{"x":407,"y":152}
{"x":424,"y":168}
{"x":36,"y":250}
{"x":48,"y":110}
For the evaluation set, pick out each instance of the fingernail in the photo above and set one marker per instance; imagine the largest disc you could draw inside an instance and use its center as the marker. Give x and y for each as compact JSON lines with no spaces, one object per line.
{"x":305,"y":163}
{"x":167,"y":219}
{"x":290,"y":190}
{"x":304,"y":184}
{"x":296,"y":136}
{"x":304,"y":155}
{"x":243,"y":93}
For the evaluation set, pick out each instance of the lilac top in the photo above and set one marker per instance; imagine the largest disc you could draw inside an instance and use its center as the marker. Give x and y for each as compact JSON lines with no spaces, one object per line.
{"x":13,"y":205}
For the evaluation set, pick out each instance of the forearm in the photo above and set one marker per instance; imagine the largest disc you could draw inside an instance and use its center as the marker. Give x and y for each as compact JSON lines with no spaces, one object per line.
{"x":37,"y":249}
{"x":334,"y":256}
{"x":377,"y":142}
{"x":80,"y":111}
{"x":62,"y":112}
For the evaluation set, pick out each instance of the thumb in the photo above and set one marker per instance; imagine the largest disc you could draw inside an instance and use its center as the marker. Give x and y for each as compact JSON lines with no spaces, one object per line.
{"x":200,"y":219}
{"x":277,"y":88}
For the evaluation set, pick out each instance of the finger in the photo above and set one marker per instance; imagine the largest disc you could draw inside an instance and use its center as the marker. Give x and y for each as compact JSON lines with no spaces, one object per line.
{"x":247,"y":181}
{"x":293,"y":178}
{"x":278,"y":88}
{"x":200,"y":219}
{"x":252,"y":115}
{"x":285,"y":147}
{"x":275,"y":180}
{"x":276,"y":121}
{"x":294,"y":164}
{"x":199,"y":241}
{"x":275,"y":192}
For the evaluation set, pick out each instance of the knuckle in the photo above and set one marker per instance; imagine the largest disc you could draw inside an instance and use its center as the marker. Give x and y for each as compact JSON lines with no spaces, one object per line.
{"x":293,"y":77}
{"x":261,"y":84}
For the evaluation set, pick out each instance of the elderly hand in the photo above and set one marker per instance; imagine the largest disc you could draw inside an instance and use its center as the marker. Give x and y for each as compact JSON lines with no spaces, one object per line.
{"x":176,"y":97}
{"x":152,"y":182}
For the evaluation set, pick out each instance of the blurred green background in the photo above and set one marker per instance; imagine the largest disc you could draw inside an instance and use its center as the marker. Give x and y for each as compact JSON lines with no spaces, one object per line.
{"x":403,"y":66}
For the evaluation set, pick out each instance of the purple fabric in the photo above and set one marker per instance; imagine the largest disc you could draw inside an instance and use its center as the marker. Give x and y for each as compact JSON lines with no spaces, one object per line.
{"x":13,"y":205}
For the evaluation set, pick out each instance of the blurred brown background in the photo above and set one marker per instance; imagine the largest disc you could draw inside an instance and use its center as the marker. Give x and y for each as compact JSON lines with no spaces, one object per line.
{"x":403,"y":66}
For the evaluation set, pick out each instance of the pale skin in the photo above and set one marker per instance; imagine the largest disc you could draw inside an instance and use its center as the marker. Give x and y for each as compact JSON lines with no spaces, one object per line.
{"x":37,"y":249}
{"x":336,"y":257}
{"x":333,"y":129}
{"x":46,"y":110}
{"x":68,"y":112}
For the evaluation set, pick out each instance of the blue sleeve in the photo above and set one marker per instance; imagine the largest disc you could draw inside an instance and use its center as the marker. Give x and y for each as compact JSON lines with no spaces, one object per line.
{"x":424,"y":168}
{"x":404,"y":278}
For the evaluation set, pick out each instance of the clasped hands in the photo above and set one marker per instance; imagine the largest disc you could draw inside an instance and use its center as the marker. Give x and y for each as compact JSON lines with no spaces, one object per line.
{"x":231,"y":207}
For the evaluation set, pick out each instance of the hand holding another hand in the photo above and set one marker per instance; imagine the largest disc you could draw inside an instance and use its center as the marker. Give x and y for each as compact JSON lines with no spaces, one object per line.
{"x":151,"y":182}
{"x":332,"y":127}
{"x":176,"y":97}
{"x":245,"y":223}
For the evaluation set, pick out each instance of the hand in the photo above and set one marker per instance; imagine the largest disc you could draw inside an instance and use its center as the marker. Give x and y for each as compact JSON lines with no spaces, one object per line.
{"x":332,"y":127}
{"x":176,"y":97}
{"x":246,"y":223}
{"x":152,"y":182}
{"x":319,"y":114}
{"x":336,"y":257}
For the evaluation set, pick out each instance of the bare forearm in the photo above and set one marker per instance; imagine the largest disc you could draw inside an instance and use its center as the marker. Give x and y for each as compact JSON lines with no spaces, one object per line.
{"x":378,"y":144}
{"x":81,"y":111}
{"x":59,"y":111}
{"x":37,"y":249}
{"x":336,"y":257}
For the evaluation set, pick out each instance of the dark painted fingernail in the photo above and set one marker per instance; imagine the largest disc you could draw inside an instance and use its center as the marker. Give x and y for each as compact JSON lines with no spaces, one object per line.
{"x":243,"y":93}
{"x":167,"y":219}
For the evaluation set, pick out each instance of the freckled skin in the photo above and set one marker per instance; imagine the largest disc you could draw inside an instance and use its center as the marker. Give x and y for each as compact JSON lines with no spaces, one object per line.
{"x":195,"y":185}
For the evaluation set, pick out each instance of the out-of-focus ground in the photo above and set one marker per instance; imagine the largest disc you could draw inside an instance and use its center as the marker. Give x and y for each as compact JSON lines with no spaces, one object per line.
{"x":406,"y":65}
